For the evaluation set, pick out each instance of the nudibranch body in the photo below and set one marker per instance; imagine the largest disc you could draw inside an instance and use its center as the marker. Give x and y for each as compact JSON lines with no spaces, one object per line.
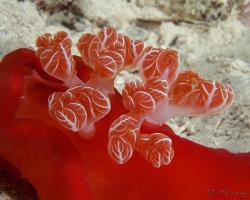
{"x":166,"y":91}
{"x":62,"y":165}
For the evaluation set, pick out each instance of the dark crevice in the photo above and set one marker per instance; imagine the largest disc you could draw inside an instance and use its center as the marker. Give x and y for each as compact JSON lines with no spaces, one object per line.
{"x":14,"y":185}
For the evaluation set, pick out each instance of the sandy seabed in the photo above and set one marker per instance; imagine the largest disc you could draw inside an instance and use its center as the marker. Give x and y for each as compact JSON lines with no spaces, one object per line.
{"x":213,"y":38}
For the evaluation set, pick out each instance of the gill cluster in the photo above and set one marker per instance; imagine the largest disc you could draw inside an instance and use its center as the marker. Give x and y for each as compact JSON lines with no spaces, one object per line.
{"x":165,"y":91}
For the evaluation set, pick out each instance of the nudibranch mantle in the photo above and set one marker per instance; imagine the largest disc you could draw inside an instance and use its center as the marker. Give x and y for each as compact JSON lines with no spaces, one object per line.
{"x":63,"y":165}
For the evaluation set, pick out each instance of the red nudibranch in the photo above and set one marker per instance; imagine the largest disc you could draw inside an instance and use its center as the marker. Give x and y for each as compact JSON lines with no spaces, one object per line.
{"x":61,"y":120}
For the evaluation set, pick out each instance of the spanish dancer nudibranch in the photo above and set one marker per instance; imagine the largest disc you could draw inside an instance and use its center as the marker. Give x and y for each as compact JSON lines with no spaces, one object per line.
{"x":63,"y":124}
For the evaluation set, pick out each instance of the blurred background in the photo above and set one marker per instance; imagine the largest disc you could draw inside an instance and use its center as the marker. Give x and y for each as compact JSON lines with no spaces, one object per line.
{"x":213,"y":38}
